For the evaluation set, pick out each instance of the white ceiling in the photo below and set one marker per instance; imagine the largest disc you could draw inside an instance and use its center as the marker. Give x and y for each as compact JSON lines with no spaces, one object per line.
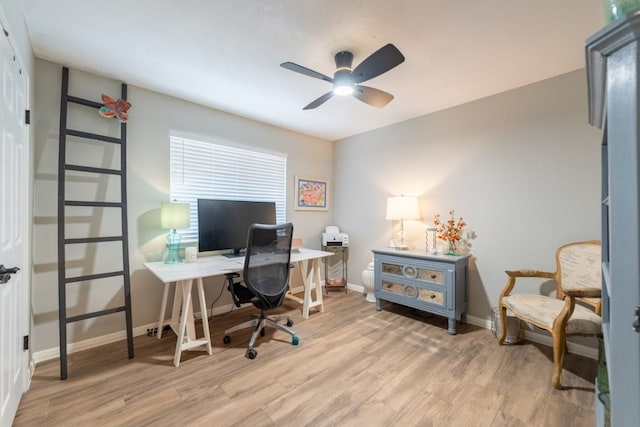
{"x":225,"y":54}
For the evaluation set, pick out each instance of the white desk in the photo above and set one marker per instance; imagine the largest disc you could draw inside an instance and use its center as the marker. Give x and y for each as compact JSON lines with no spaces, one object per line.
{"x":183,"y":275}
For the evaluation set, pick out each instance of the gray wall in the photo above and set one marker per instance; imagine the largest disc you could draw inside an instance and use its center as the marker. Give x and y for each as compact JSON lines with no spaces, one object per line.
{"x":152,"y":117}
{"x":521,"y":167}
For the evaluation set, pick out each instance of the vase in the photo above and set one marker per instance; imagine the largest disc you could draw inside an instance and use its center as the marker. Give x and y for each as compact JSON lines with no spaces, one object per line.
{"x":368,"y":278}
{"x":452,"y":248}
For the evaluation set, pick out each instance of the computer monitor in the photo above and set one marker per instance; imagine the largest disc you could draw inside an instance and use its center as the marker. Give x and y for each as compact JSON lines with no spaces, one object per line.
{"x":223,"y":224}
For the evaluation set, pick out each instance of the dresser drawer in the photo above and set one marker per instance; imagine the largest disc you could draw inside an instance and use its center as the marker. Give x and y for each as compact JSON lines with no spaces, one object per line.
{"x":431,"y":296}
{"x":414,"y":292}
{"x":412,"y":271}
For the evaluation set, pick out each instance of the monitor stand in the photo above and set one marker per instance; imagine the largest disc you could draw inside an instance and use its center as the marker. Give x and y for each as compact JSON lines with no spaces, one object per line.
{"x":237,"y":253}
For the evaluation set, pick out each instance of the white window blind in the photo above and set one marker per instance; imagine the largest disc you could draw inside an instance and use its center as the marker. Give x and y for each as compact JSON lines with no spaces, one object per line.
{"x":214,"y":170}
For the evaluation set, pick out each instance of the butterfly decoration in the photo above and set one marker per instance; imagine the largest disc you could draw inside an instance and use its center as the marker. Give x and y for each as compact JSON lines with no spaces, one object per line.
{"x":114,"y":109}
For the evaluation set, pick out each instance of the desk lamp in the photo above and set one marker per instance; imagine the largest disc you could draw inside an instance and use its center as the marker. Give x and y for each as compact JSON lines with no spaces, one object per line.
{"x":173,"y":216}
{"x":402,"y":207}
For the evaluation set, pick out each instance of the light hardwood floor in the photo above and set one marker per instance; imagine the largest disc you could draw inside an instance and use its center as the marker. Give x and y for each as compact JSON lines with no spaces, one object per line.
{"x":354,"y":367}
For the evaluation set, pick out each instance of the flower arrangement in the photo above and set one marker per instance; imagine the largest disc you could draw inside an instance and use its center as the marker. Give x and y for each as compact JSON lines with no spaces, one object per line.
{"x":450,"y":231}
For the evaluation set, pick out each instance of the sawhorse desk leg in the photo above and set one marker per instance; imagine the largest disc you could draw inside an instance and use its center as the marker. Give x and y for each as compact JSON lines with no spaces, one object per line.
{"x":310,"y":276}
{"x":182,"y":320}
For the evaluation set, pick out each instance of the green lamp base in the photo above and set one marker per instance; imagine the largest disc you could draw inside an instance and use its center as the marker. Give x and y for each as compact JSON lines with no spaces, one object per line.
{"x":173,"y":243}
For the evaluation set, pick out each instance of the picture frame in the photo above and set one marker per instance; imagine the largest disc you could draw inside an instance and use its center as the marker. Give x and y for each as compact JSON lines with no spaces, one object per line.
{"x":312,"y":194}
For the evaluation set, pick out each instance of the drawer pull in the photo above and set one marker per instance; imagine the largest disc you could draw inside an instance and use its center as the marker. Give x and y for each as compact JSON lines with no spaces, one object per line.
{"x":433,"y":276}
{"x":432,"y":296}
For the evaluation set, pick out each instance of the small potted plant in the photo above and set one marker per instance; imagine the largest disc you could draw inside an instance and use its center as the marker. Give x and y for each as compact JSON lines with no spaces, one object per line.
{"x":450,"y":231}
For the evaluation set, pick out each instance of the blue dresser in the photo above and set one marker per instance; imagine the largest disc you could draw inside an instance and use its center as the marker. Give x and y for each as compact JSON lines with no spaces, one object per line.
{"x":432,"y":283}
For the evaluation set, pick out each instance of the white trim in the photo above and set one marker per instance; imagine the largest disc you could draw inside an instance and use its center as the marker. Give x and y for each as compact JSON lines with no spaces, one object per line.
{"x":579,"y":349}
{"x":54,"y":353}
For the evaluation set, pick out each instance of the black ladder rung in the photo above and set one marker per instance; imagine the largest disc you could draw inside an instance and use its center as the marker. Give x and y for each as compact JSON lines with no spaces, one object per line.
{"x":94,"y":314}
{"x":91,"y":169}
{"x":92,"y":240}
{"x":93,"y":276}
{"x":83,"y":101}
{"x":93,"y":204}
{"x":89,"y":135}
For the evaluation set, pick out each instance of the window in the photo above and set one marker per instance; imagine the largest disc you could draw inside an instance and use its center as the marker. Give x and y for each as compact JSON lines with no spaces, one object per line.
{"x":218,"y":170}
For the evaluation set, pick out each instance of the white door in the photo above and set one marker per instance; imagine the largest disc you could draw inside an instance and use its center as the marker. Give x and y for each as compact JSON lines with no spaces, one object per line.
{"x":13,"y":234}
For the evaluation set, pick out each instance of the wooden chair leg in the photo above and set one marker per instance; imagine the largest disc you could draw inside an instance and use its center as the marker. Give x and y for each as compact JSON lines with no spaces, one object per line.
{"x":559,"y":343}
{"x":503,"y":321}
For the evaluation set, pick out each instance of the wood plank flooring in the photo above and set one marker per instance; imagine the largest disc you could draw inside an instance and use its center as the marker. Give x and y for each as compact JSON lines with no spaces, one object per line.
{"x":354,"y":366}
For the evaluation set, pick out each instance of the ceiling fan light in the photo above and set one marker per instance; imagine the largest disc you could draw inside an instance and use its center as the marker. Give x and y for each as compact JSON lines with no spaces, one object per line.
{"x":343,"y":90}
{"x":342,"y":82}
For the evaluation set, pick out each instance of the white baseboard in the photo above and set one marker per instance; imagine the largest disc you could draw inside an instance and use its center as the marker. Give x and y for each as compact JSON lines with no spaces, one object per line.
{"x":54,"y":353}
{"x":574,"y":348}
{"x":355,"y":287}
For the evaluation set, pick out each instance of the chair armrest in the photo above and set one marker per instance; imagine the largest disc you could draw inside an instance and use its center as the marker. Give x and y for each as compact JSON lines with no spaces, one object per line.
{"x":514,"y":274}
{"x":583,"y":293}
{"x":530,"y":273}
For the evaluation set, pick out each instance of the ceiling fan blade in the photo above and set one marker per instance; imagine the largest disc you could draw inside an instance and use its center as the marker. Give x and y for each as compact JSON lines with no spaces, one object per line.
{"x":376,"y":97}
{"x":318,"y":102}
{"x":380,"y":61}
{"x":307,"y":72}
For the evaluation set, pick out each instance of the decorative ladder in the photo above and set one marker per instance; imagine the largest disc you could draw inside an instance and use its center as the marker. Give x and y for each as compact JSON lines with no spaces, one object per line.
{"x":64,"y":242}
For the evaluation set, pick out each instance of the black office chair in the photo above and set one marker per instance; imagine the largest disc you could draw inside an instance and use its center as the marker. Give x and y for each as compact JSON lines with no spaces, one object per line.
{"x":266,"y":280}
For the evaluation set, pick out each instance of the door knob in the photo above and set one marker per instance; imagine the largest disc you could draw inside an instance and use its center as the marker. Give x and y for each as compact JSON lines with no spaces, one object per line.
{"x":636,"y":323}
{"x":5,"y":273}
{"x":4,"y":270}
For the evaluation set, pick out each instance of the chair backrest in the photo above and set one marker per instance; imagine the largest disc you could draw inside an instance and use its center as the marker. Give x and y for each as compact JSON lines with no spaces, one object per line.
{"x":266,"y":264}
{"x":579,"y":266}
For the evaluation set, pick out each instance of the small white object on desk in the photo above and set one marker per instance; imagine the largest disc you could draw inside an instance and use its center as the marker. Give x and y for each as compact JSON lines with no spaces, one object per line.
{"x":191,"y":254}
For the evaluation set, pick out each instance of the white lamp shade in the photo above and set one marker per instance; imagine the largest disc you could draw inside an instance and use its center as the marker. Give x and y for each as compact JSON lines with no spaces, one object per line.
{"x":402,"y":207}
{"x":174,"y":215}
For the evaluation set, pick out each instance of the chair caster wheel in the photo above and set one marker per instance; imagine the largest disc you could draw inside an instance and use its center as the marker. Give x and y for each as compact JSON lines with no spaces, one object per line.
{"x":226,"y":339}
{"x":289,"y":322}
{"x":262,"y":332}
{"x":251,"y":354}
{"x":294,"y":340}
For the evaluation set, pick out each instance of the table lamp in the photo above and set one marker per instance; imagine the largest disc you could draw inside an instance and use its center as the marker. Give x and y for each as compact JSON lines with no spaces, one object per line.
{"x":402,"y":207}
{"x":173,"y":216}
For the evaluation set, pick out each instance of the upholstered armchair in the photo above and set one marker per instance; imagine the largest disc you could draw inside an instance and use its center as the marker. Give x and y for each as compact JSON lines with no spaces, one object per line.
{"x":575,"y":307}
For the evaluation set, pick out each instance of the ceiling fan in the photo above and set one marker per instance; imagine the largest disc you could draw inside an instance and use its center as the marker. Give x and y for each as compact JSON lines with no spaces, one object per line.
{"x":346,"y":81}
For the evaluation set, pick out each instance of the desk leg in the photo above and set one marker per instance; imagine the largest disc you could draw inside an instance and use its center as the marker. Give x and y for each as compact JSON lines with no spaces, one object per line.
{"x":177,"y":307}
{"x":312,"y":279}
{"x":203,"y":313}
{"x":315,"y":269}
{"x":302,"y":269}
{"x":185,"y":318}
{"x":163,"y":308}
{"x":186,"y":328}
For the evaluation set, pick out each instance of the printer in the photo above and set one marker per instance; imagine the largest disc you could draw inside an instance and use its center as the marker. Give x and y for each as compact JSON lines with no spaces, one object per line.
{"x":333,"y":237}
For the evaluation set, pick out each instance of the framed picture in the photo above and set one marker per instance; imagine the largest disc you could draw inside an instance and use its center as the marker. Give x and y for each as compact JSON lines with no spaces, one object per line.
{"x":311,"y":194}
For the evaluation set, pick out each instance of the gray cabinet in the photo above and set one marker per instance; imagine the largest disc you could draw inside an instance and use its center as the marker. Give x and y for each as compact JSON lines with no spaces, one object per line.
{"x":437,"y":284}
{"x":614,"y":96}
